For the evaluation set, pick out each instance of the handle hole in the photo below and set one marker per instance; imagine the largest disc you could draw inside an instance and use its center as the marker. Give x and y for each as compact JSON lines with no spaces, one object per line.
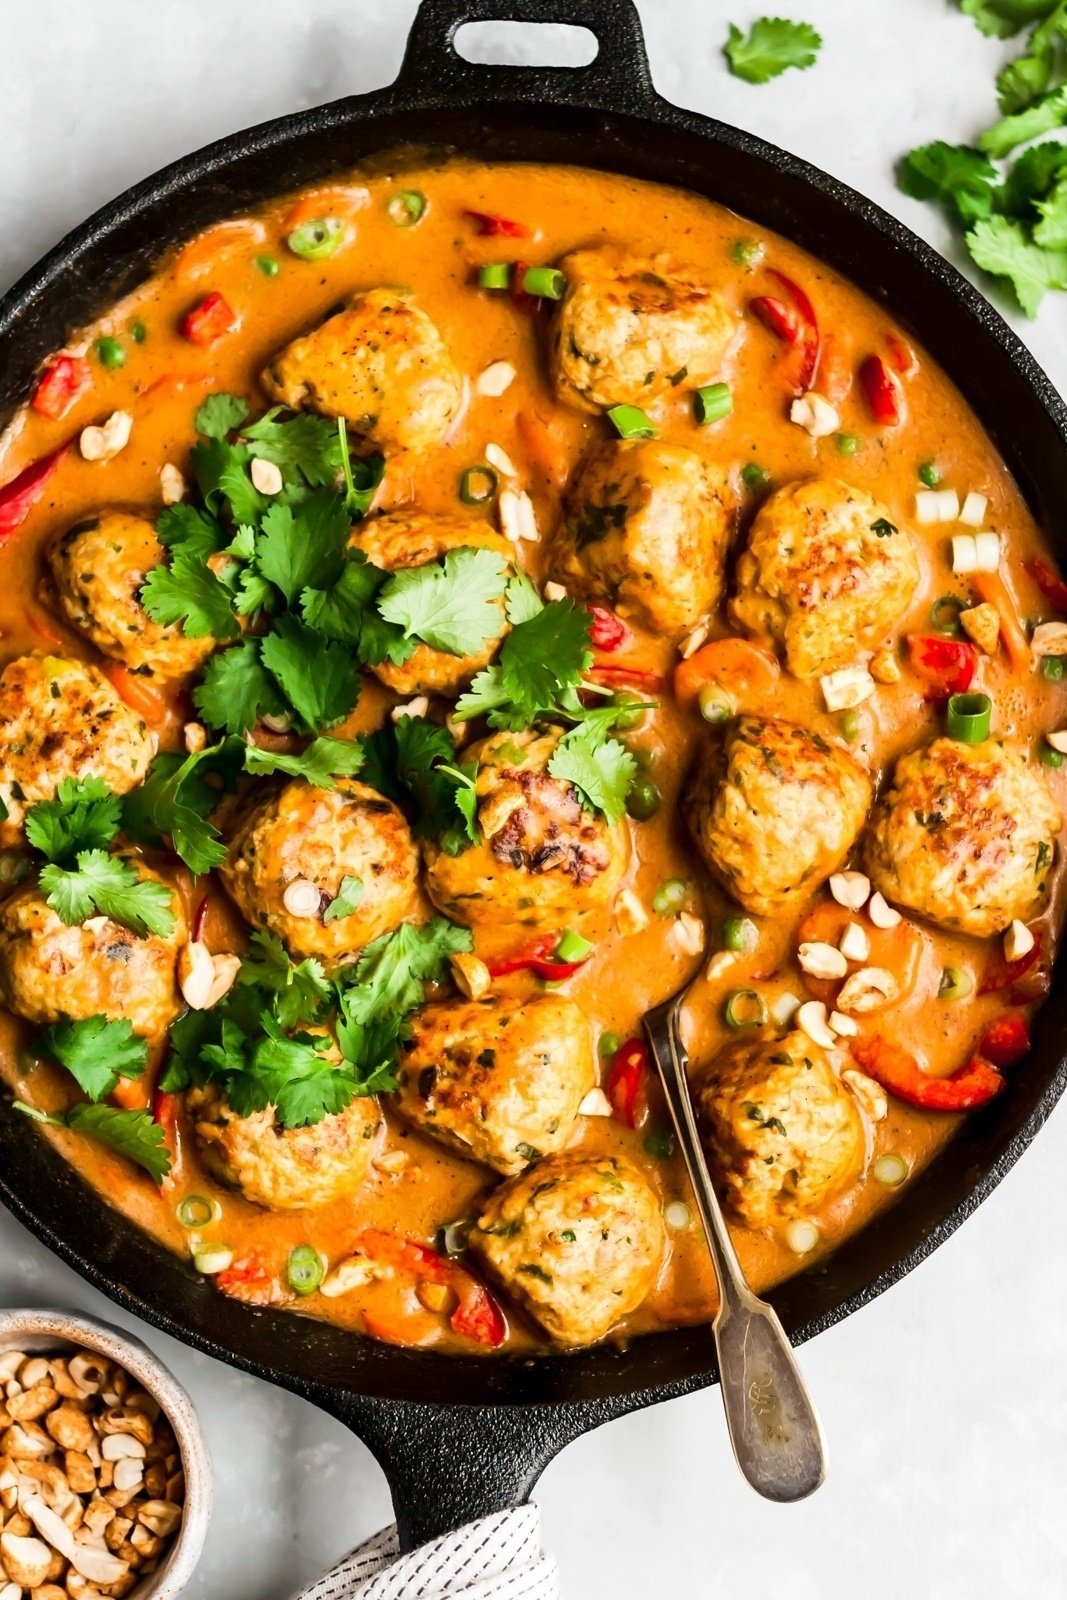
{"x":526,"y":44}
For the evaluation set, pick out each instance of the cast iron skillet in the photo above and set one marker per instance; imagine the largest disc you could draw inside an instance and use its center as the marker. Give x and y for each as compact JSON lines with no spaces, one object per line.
{"x":461,"y":1436}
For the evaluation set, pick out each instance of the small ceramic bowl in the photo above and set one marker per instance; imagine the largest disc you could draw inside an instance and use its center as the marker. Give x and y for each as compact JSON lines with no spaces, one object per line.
{"x":56,"y":1332}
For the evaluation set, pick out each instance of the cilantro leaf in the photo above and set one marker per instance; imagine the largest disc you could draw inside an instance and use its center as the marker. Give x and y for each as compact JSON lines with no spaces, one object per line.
{"x":222,"y":476}
{"x":1002,"y":18}
{"x":771,"y":45}
{"x":96,"y":1051}
{"x":194,"y":532}
{"x":189,"y":593}
{"x":296,"y":552}
{"x":346,"y":899}
{"x":522,"y":602}
{"x":1051,"y":231}
{"x":962,"y":179}
{"x":601,"y":769}
{"x":176,"y":800}
{"x":417,"y":758}
{"x":289,"y":1072}
{"x":1045,"y":114}
{"x":103,"y":885}
{"x":133,"y":1134}
{"x":219,"y":415}
{"x":1026,"y":79}
{"x":299,"y":991}
{"x":237,"y":689}
{"x":84,"y":815}
{"x":1001,"y":247}
{"x":305,"y":443}
{"x":544,"y":655}
{"x":390,"y":974}
{"x":1032,"y":178}
{"x":361,"y":476}
{"x":322,"y":761}
{"x":319,"y":679}
{"x":452,"y":604}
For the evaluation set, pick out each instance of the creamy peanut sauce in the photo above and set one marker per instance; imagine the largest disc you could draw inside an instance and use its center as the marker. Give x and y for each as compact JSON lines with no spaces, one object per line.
{"x":164,"y":379}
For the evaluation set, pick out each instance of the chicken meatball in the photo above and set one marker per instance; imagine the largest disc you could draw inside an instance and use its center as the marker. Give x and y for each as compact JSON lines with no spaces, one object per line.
{"x":577,"y":1240}
{"x":541,"y":859}
{"x":62,"y":719}
{"x":630,"y":328}
{"x":497,"y":1081}
{"x":826,"y":575}
{"x":298,"y":842}
{"x":49,"y":970}
{"x":645,"y":529}
{"x":381,"y":364}
{"x":414,"y":539}
{"x":774,"y":809}
{"x":285,"y":1169}
{"x":965,"y":835}
{"x":98,"y":568}
{"x":783,"y":1133}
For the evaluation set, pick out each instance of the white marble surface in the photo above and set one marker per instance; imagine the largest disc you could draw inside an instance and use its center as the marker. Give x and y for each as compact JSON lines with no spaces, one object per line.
{"x":946,"y":1402}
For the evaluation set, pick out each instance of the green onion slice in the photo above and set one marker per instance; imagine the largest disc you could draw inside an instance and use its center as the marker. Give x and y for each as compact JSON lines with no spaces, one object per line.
{"x":572,"y":947}
{"x":945,"y":615}
{"x":545,"y":283}
{"x":477,"y":486}
{"x":630,"y":422}
{"x":670,"y":896}
{"x":851,"y":724}
{"x":495,"y":275}
{"x":452,"y":1237}
{"x":711,"y":403}
{"x":406,"y":208}
{"x":747,"y":253}
{"x":1049,"y":757}
{"x":967,"y":717}
{"x":745,"y":1009}
{"x":715,"y":704}
{"x":196,"y":1212}
{"x":956,"y":984}
{"x":891,"y":1169}
{"x":318,"y":239}
{"x":739,"y":934}
{"x":1053,"y":668}
{"x":305,"y":1269}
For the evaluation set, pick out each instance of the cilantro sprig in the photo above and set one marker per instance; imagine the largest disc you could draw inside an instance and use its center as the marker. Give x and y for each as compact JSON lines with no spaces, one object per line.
{"x":415,"y":760}
{"x":771,"y":46}
{"x":82,"y":815}
{"x":133,"y":1134}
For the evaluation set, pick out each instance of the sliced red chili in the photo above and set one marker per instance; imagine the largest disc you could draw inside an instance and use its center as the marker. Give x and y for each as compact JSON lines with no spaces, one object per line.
{"x":209,"y":320}
{"x":477,"y":1316}
{"x":626,"y":1081}
{"x":809,"y":343}
{"x":60,"y":386}
{"x":1006,"y":1041}
{"x":199,"y":919}
{"x":902,"y":357}
{"x":520,"y":298}
{"x":948,"y":665}
{"x":1050,"y":583}
{"x":776,"y":315}
{"x":165,"y":1111}
{"x":491,"y":226}
{"x":536,"y":958}
{"x":881,"y":390}
{"x":1004,"y":974}
{"x":898,"y":1071}
{"x":607,"y":631}
{"x":18,"y":497}
{"x":613,"y":672}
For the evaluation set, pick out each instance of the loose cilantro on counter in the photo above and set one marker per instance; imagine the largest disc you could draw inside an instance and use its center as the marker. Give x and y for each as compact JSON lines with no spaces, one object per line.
{"x":771,"y":45}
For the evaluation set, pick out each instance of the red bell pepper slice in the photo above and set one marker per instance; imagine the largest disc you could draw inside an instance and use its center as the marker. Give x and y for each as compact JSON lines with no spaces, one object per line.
{"x":626,"y":1081}
{"x":1006,"y":1041}
{"x":406,"y":1255}
{"x":60,"y":386}
{"x":898,"y":1071}
{"x":165,"y":1112}
{"x":477,"y":1315}
{"x":809,"y":344}
{"x":494,"y":227}
{"x":881,"y":390}
{"x":607,"y":631}
{"x":779,"y":318}
{"x":537,"y":958}
{"x":1049,"y":582}
{"x":1004,"y":974}
{"x":948,"y":665}
{"x":248,"y":1279}
{"x":209,"y":320}
{"x":902,"y":357}
{"x":18,"y":497}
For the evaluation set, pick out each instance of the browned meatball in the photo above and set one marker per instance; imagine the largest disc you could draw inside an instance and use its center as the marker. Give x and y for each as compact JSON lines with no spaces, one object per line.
{"x":50,"y":970}
{"x":98,"y":568}
{"x":783,"y":1133}
{"x":381,"y":364}
{"x":631,"y":328}
{"x":285,"y":1169}
{"x":498,"y":1081}
{"x":774,"y":809}
{"x":541,"y":861}
{"x":826,"y":574}
{"x":577,"y":1240}
{"x":965,"y":835}
{"x":413,"y":539}
{"x":299,"y":839}
{"x":645,"y":530}
{"x":62,"y":719}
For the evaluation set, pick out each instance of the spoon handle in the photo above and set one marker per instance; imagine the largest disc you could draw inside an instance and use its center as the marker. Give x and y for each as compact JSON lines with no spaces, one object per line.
{"x":774,"y":1429}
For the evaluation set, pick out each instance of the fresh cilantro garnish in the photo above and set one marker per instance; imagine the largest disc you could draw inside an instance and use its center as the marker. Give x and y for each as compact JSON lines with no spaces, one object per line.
{"x":177,"y":798}
{"x":318,"y":677}
{"x":389,"y":976}
{"x":1046,"y":113}
{"x":96,"y":1051}
{"x":543,"y":656}
{"x":99,"y":884}
{"x":416,"y":759}
{"x":346,"y":899}
{"x":299,"y":991}
{"x":962,"y":179}
{"x":601,"y":769}
{"x":771,"y":45}
{"x":194,"y":532}
{"x":453,"y":604}
{"x":307,"y":444}
{"x":324,"y":760}
{"x":1002,"y":18}
{"x":219,"y":415}
{"x":133,"y":1134}
{"x":237,"y":689}
{"x":305,"y":549}
{"x":189,"y":593}
{"x":84,"y":815}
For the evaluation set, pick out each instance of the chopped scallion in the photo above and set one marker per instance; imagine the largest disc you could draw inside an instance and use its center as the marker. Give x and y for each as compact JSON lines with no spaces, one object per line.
{"x":847,"y":444}
{"x":747,"y":253}
{"x":305,"y":1269}
{"x":744,"y":1009}
{"x":1053,"y":667}
{"x":318,"y":239}
{"x":406,"y":208}
{"x":739,"y":934}
{"x":956,"y":984}
{"x":715,"y":704}
{"x":608,"y":1045}
{"x":890,"y":1169}
{"x":945,"y":615}
{"x":1049,"y":757}
{"x":711,"y":403}
{"x":572,"y":947}
{"x":630,"y":422}
{"x":196,"y":1212}
{"x":268,"y":266}
{"x":755,"y":477}
{"x":495,"y":275}
{"x":477,"y":486}
{"x":670,"y":896}
{"x":930,"y":474}
{"x":544,"y":283}
{"x":967,"y":717}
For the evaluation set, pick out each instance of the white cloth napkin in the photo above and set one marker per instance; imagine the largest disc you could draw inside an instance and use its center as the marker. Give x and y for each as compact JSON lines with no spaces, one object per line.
{"x":497,"y":1558}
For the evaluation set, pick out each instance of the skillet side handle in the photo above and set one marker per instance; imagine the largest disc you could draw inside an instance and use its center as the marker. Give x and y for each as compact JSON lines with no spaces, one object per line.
{"x":618,"y":76}
{"x":448,"y":1465}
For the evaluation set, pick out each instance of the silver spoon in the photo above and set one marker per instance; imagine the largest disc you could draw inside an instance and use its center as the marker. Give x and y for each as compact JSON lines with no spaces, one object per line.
{"x":773,"y":1425}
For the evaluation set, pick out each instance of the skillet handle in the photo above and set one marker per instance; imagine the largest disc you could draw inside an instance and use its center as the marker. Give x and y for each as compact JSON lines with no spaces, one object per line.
{"x":618,"y":76}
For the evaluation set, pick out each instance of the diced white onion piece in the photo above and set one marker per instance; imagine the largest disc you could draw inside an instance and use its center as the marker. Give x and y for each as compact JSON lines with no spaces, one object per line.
{"x":815,"y":414}
{"x":820,"y":960}
{"x":1049,"y":639}
{"x":948,"y":505}
{"x":1018,"y":941}
{"x":964,"y":553}
{"x":811,"y":1017}
{"x":555,"y":591}
{"x":927,"y":507}
{"x":881,"y":913}
{"x":973,"y":510}
{"x":846,"y":1027}
{"x":494,"y":379}
{"x":499,"y":458}
{"x":848,"y":688}
{"x":411,"y":708}
{"x":784,"y":1009}
{"x":986,"y":552}
{"x":851,"y":889}
{"x":211,"y":1261}
{"x":890,"y":1169}
{"x":801,"y":1236}
{"x":595,"y":1104}
{"x":1058,"y":740}
{"x":677,"y":1216}
{"x":855,"y":944}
